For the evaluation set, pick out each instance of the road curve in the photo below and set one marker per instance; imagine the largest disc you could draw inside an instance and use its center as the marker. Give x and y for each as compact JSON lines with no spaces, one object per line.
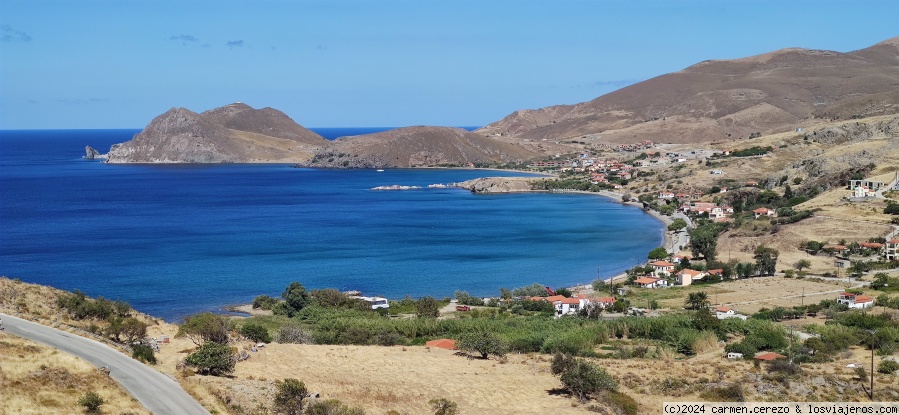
{"x":160,"y":394}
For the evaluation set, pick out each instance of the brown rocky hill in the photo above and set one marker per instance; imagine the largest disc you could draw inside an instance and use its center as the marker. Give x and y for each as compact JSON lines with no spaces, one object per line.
{"x":417,"y":147}
{"x":235,"y":133}
{"x":726,"y":99}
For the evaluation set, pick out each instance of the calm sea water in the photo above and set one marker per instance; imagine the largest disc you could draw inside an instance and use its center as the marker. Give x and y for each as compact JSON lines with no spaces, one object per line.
{"x":174,"y":240}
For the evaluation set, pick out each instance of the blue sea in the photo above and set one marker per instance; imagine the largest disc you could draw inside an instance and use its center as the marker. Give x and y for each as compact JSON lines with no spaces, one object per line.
{"x":175,"y":240}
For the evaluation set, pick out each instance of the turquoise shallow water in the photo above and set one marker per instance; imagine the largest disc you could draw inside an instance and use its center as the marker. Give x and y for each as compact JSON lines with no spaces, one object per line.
{"x":173,"y":240}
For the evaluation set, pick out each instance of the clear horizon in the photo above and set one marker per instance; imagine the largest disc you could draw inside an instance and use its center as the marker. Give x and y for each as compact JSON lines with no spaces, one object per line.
{"x":350,"y":63}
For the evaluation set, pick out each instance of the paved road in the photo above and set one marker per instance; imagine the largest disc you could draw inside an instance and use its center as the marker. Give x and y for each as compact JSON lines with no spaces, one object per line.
{"x":160,"y":394}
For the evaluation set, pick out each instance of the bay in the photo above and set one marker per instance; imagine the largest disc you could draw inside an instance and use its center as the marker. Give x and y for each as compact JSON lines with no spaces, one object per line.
{"x":174,"y":240}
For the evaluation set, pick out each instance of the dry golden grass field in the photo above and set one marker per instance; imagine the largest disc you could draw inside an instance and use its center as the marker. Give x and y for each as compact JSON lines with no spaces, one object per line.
{"x":404,"y":379}
{"x":36,"y":379}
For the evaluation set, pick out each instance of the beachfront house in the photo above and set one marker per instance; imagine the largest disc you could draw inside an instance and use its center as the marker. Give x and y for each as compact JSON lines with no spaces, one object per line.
{"x":855,"y":300}
{"x":650,"y":282}
{"x":661,"y":267}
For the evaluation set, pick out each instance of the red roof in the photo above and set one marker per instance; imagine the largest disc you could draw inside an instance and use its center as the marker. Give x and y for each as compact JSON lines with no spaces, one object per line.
{"x":893,"y":241}
{"x":723,"y":309}
{"x":448,"y":344}
{"x":863,"y":299}
{"x":645,"y":280}
{"x":760,"y":210}
{"x":769,"y":356}
{"x":718,"y":271}
{"x":569,"y":301}
{"x":662,"y":264}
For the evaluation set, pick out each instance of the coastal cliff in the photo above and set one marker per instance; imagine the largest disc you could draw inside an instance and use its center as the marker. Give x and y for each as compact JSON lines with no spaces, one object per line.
{"x":235,"y":133}
{"x":417,"y":147}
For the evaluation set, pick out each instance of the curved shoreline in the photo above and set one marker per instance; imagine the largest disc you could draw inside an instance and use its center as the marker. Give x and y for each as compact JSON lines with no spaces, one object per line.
{"x":668,"y":242}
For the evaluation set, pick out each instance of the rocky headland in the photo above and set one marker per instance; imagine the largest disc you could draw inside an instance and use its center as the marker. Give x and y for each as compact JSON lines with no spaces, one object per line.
{"x":420,"y":146}
{"x":235,"y":133}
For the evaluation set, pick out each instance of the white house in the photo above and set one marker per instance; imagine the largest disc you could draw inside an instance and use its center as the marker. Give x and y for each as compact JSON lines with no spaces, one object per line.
{"x":855,"y":300}
{"x":863,"y":191}
{"x":891,"y":249}
{"x":724,"y":312}
{"x":763,"y":211}
{"x":650,"y":282}
{"x":660,"y":267}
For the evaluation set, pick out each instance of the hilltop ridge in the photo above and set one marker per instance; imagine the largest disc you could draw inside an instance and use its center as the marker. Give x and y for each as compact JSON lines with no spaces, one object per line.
{"x":721,"y":100}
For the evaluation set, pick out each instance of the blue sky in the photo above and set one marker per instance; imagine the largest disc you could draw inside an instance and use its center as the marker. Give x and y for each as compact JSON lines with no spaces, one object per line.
{"x":333,"y":63}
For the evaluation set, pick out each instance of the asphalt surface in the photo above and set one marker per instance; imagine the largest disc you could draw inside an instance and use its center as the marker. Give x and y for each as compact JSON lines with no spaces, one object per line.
{"x":158,"y":393}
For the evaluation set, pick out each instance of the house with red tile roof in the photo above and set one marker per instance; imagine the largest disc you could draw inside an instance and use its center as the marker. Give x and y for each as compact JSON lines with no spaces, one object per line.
{"x":855,"y":300}
{"x":769,"y":356}
{"x":871,"y":245}
{"x":763,"y":211}
{"x":650,"y":282}
{"x":660,"y":267}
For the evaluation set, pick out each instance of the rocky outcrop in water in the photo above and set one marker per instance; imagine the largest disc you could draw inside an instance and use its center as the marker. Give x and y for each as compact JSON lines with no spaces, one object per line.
{"x":497,"y":185}
{"x":91,"y":154}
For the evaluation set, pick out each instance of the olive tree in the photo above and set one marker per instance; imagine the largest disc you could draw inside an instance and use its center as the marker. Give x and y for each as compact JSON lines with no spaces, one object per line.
{"x":206,"y":327}
{"x":581,"y":377}
{"x":212,"y":358}
{"x":483,"y":342}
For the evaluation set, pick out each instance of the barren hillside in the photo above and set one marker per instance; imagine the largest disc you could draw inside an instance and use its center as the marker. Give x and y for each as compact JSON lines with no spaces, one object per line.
{"x":418,"y":147}
{"x":726,"y":99}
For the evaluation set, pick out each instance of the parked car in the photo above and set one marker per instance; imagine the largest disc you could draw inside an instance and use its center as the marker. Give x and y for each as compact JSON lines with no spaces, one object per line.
{"x":463,"y":308}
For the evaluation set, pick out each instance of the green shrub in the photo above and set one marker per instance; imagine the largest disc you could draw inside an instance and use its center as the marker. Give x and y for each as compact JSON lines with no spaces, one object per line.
{"x":331,"y":407}
{"x":91,"y":402}
{"x":264,"y":302}
{"x":293,"y":333}
{"x":887,"y":366}
{"x":256,"y":332}
{"x":143,"y":353}
{"x":624,"y":402}
{"x":583,"y":379}
{"x":205,"y":327}
{"x":289,"y":397}
{"x":483,"y":342}
{"x":212,"y":358}
{"x":732,"y":393}
{"x":427,"y":307}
